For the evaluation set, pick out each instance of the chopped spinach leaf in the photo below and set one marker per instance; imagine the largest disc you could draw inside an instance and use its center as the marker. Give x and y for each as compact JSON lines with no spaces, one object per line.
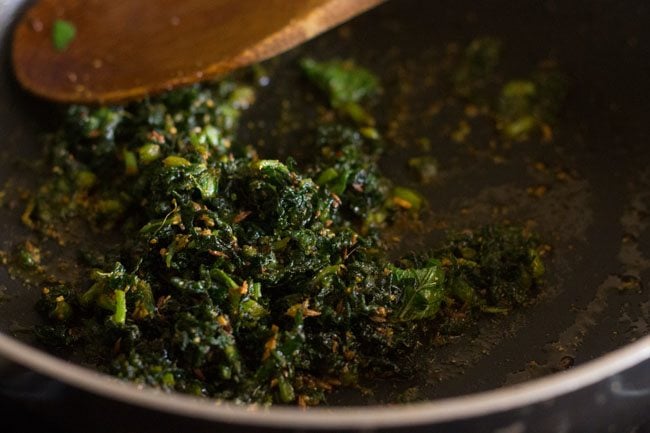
{"x":259,"y":280}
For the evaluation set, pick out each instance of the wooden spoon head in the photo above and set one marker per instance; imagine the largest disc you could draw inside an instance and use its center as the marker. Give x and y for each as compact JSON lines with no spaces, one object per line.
{"x":125,"y":49}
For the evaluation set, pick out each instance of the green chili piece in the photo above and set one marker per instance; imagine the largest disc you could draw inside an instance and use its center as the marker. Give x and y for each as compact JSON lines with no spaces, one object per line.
{"x":287,"y":393}
{"x":408,"y":197}
{"x":149,"y":153}
{"x":119,"y":316}
{"x":130,"y":163}
{"x":176,"y":161}
{"x":63,"y":33}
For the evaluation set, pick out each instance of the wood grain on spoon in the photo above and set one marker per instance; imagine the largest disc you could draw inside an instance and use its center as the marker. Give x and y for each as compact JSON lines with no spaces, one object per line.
{"x":125,"y":49}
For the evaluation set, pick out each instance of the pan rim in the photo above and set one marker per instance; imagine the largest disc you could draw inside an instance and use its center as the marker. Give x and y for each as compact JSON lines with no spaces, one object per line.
{"x":429,"y":412}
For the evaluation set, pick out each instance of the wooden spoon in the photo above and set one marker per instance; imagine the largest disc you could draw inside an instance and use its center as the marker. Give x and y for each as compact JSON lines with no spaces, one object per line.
{"x":125,"y":49}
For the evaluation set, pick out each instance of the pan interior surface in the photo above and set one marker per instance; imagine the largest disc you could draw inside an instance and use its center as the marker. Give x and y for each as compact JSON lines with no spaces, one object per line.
{"x":596,"y":221}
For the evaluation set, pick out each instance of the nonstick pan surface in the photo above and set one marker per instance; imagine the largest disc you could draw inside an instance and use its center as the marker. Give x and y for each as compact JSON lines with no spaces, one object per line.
{"x":595,"y":217}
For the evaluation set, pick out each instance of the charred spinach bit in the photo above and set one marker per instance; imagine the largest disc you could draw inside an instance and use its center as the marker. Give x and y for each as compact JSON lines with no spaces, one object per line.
{"x":526,"y":106}
{"x":425,"y":168}
{"x":476,"y":67}
{"x":249,"y":279}
{"x":522,"y":107}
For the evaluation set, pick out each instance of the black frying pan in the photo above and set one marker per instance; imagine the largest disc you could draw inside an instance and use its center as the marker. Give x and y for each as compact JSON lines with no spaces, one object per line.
{"x":591,"y":321}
